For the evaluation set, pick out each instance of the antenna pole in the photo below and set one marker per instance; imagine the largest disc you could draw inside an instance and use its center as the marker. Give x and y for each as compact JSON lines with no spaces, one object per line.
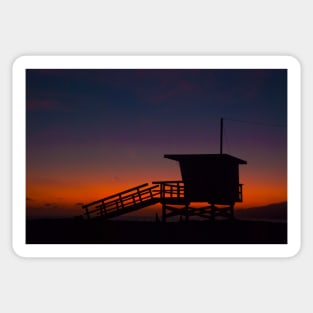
{"x":221,"y":137}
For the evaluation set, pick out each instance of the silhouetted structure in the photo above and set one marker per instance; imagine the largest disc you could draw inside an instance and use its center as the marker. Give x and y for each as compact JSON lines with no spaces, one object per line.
{"x":124,"y":202}
{"x":206,"y":178}
{"x":210,"y":178}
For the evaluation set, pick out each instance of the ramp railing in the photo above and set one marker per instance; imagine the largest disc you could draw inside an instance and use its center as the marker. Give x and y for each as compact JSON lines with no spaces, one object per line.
{"x":121,"y":203}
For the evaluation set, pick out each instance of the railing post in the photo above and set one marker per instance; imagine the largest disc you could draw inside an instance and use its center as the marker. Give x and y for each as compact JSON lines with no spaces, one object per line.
{"x":87,"y":213}
{"x":139,"y":195}
{"x":101,"y":208}
{"x":151,"y":195}
{"x":121,"y":200}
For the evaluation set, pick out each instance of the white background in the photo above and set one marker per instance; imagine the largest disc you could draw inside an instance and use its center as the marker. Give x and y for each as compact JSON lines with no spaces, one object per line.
{"x":160,"y":27}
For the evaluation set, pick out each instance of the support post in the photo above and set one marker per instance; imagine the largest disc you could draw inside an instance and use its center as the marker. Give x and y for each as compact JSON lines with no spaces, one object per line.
{"x":162,"y":190}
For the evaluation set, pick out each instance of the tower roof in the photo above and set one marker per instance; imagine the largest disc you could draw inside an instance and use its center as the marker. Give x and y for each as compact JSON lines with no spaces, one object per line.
{"x":204,"y":157}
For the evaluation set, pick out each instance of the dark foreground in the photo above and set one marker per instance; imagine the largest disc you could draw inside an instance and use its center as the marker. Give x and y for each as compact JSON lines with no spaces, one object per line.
{"x":71,"y":231}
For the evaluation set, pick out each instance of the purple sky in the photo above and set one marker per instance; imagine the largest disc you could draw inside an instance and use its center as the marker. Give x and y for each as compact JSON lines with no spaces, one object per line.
{"x":94,"y":132}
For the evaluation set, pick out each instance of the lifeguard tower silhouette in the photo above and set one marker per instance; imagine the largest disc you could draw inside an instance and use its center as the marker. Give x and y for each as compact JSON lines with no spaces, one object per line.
{"x":210,"y":179}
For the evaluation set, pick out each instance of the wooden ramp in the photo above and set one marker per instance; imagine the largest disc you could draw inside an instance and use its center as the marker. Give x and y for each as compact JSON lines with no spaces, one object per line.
{"x":135,"y":199}
{"x":122,"y":203}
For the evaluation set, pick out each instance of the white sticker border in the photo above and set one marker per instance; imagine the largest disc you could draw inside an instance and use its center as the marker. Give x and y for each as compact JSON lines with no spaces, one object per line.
{"x":155,"y":250}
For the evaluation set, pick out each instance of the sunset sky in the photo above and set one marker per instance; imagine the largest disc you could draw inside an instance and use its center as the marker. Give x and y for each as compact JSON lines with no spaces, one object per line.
{"x":91,"y":133}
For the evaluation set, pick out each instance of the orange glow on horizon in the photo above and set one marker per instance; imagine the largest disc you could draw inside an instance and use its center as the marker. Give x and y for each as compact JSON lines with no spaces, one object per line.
{"x":67,"y":198}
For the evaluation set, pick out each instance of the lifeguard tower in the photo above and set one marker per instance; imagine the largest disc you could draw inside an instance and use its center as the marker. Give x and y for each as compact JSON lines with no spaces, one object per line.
{"x":209,"y":188}
{"x":206,"y":178}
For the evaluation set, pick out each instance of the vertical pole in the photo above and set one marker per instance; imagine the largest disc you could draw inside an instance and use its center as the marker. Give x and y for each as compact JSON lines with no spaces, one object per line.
{"x":221,"y":137}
